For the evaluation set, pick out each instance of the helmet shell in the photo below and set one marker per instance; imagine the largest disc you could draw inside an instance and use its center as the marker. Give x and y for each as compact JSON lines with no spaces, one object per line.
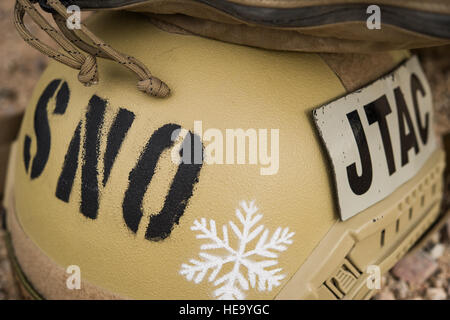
{"x":73,"y":137}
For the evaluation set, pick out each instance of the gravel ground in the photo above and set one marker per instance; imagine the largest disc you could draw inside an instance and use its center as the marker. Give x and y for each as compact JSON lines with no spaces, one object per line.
{"x":20,"y":67}
{"x":424,"y":274}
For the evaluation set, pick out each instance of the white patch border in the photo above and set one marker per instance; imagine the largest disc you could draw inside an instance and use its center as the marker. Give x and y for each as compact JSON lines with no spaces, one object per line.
{"x":385,"y":85}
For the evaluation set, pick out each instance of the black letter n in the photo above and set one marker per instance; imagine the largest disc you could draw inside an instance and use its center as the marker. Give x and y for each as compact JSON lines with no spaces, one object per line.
{"x":91,"y":154}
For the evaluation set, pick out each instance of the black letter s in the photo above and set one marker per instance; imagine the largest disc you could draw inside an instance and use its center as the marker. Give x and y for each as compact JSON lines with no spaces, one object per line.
{"x":42,"y":128}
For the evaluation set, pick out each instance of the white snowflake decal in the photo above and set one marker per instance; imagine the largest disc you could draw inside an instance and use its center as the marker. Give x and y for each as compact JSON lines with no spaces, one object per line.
{"x":232,"y":284}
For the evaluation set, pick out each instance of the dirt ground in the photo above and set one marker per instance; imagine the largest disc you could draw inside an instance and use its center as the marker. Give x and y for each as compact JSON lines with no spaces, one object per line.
{"x":422,"y":275}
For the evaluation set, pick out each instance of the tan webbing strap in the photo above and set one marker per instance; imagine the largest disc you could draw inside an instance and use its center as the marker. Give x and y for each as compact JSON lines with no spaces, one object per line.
{"x":71,"y":44}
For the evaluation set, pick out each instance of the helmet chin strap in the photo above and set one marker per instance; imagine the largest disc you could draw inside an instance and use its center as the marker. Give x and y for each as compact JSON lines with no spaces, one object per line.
{"x":76,"y":52}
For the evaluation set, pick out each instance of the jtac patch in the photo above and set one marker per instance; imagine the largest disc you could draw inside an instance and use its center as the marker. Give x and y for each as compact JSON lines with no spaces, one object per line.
{"x":378,"y":137}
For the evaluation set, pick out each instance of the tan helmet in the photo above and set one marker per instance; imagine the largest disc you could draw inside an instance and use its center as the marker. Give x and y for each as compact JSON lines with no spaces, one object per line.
{"x":262,"y":175}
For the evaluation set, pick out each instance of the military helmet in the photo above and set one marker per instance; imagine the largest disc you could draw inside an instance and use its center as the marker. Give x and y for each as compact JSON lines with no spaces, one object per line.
{"x":252,"y":173}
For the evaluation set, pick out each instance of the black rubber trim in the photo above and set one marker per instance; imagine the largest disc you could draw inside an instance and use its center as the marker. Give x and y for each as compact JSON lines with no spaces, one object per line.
{"x":429,"y":23}
{"x":433,"y":24}
{"x":90,"y":4}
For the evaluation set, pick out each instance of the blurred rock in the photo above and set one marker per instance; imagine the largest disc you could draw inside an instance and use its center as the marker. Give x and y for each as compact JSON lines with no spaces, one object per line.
{"x":434,"y":238}
{"x":8,"y":93}
{"x":415,"y":268}
{"x":384,"y":295}
{"x":437,"y":251}
{"x":438,"y":282}
{"x":436,"y":294}
{"x":401,"y":289}
{"x":447,"y":231}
